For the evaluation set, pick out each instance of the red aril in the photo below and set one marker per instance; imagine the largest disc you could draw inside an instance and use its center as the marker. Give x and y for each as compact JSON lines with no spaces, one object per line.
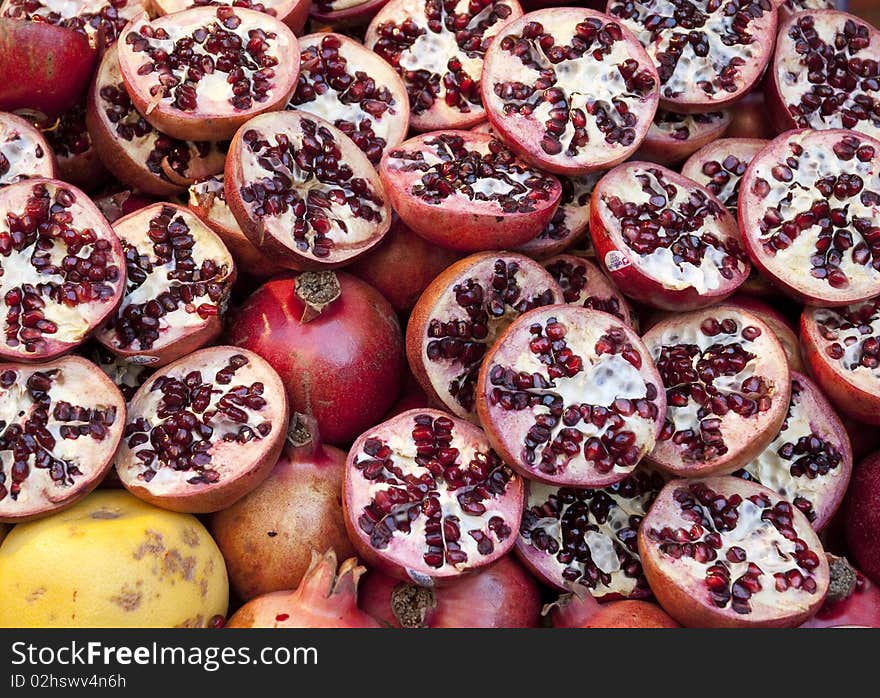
{"x":583,"y":284}
{"x":294,"y":13}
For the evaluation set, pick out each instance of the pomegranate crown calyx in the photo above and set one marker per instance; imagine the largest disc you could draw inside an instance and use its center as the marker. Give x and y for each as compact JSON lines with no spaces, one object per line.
{"x":317,"y":290}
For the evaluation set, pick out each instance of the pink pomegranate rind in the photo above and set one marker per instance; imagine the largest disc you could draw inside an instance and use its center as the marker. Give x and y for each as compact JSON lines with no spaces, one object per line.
{"x":583,"y":284}
{"x":24,"y":152}
{"x":466,"y":191}
{"x":586,"y":539}
{"x":728,"y":389}
{"x":550,"y":120}
{"x":63,"y":421}
{"x":842,"y":351}
{"x":294,"y":13}
{"x":708,"y":54}
{"x":427,"y":499}
{"x":674,"y":137}
{"x":825,"y":73}
{"x":665,"y":240}
{"x":809,"y":211}
{"x":204,"y":431}
{"x":570,"y":396}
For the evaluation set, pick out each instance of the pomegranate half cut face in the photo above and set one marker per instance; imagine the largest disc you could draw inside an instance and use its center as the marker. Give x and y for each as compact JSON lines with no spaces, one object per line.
{"x":99,"y":20}
{"x":24,"y":152}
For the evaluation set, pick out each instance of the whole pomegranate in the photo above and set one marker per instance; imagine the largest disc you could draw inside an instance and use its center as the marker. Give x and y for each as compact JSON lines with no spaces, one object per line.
{"x":336,"y":343}
{"x":862,"y":506}
{"x":267,"y":538}
{"x":573,"y":611}
{"x":852,"y":599}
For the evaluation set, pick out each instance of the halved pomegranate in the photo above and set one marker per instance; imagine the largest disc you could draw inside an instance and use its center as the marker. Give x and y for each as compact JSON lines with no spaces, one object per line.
{"x":63,"y":269}
{"x":204,"y":431}
{"x":709,"y":54}
{"x":665,"y":240}
{"x":728,"y":389}
{"x":180,"y":276}
{"x":809,"y":211}
{"x":724,"y":552}
{"x":351,"y":87}
{"x":207,"y":199}
{"x":132,"y":149}
{"x":570,"y":396}
{"x":674,"y":137}
{"x":466,"y":191}
{"x":782,"y":327}
{"x":201,"y":73}
{"x":720,"y":165}
{"x":810,"y":460}
{"x":570,"y":90}
{"x":787,"y":8}
{"x":852,"y":599}
{"x":62,"y":422}
{"x":303,"y":192}
{"x":101,"y":21}
{"x":586,"y":539}
{"x":584,"y":284}
{"x":750,"y":118}
{"x":427,"y":500}
{"x":294,"y":13}
{"x":76,"y":157}
{"x":438,"y":50}
{"x":24,"y":153}
{"x":459,"y":316}
{"x":842,"y":351}
{"x":825,"y":73}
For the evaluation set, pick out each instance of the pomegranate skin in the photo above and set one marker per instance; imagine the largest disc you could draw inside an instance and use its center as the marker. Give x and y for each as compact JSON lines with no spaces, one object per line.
{"x":857,"y":605}
{"x":750,"y":119}
{"x":630,"y":614}
{"x":862,"y":506}
{"x":344,"y":367}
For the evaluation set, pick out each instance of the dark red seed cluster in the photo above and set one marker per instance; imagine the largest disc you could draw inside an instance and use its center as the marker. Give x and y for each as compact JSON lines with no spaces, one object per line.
{"x":572,"y":278}
{"x":843,"y":327}
{"x":107,"y":20}
{"x":724,"y":178}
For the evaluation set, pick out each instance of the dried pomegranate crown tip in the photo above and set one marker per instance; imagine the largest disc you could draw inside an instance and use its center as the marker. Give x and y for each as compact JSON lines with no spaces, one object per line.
{"x":302,"y":430}
{"x":329,"y":578}
{"x":844,"y":578}
{"x":317,"y":290}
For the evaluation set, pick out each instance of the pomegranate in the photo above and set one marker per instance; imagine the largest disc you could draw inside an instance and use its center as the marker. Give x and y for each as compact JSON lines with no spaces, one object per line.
{"x":135,"y":152}
{"x":674,"y":137}
{"x":201,"y":73}
{"x":787,"y":8}
{"x":720,"y":165}
{"x":852,"y":599}
{"x":621,"y":614}
{"x":326,"y":598}
{"x":294,"y":13}
{"x":533,"y":89}
{"x":127,"y":377}
{"x":724,"y":552}
{"x":348,"y":365}
{"x":267,"y":537}
{"x":810,"y":216}
{"x":785,"y":332}
{"x":459,"y":316}
{"x":584,"y":284}
{"x":427,"y":500}
{"x":63,"y":269}
{"x":750,"y":118}
{"x":303,"y":192}
{"x":76,"y":157}
{"x":402,"y":265}
{"x":179,"y":276}
{"x":62,"y":422}
{"x":863,"y":438}
{"x":355,"y":90}
{"x":438,"y":50}
{"x":708,"y":54}
{"x":101,"y":21}
{"x":24,"y":152}
{"x":203,"y":431}
{"x":503,"y":595}
{"x":352,"y":15}
{"x":585,"y":539}
{"x":863,"y":516}
{"x":116,"y":204}
{"x":665,"y":240}
{"x":842,"y":350}
{"x":207,"y":199}
{"x":825,"y":73}
{"x":728,"y":390}
{"x":570,"y":396}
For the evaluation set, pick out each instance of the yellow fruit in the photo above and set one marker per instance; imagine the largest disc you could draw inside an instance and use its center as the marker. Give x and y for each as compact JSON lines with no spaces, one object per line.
{"x":111,"y":561}
{"x":4,"y":529}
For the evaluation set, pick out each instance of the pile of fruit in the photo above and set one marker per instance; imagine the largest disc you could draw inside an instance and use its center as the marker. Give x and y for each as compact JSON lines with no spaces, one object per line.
{"x":446,"y":314}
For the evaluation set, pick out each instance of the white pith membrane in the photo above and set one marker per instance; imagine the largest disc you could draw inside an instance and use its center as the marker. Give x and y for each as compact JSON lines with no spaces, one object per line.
{"x":85,"y":15}
{"x":595,"y":531}
{"x":735,"y":430}
{"x":23,"y":152}
{"x":405,"y":542}
{"x":662,"y":265}
{"x":601,"y":380}
{"x":213,"y":91}
{"x":807,"y":157}
{"x":535,"y":287}
{"x":684,"y":127}
{"x":850,"y":328}
{"x":765,"y":547}
{"x":162,"y":276}
{"x":572,"y":217}
{"x":591,"y":81}
{"x":349,"y":234}
{"x":138,"y":138}
{"x":433,"y":50}
{"x":596,"y":292}
{"x":73,"y":322}
{"x":74,"y":458}
{"x":684,"y":85}
{"x":798,"y":5}
{"x":336,"y":105}
{"x":792,"y":75}
{"x":228,"y":458}
{"x":431,"y":155}
{"x":729,"y":155}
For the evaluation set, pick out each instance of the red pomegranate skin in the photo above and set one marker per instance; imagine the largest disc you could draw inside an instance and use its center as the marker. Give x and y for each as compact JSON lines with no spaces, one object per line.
{"x":630,"y":614}
{"x":344,"y":367}
{"x":861,"y":607}
{"x":862,"y":506}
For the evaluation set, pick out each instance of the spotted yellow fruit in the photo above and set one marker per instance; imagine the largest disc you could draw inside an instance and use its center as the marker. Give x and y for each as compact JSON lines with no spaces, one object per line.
{"x":111,"y":561}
